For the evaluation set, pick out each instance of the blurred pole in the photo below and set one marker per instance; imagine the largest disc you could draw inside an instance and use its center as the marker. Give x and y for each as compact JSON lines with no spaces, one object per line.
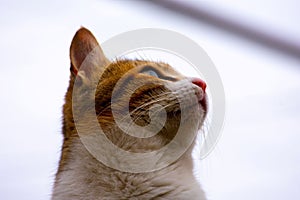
{"x":269,"y":40}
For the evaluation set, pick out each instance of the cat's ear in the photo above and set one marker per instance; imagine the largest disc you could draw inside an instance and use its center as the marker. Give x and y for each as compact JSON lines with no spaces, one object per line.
{"x":87,"y":57}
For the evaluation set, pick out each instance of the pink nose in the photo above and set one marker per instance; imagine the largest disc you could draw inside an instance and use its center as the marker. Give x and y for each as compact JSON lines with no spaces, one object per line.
{"x":200,"y":83}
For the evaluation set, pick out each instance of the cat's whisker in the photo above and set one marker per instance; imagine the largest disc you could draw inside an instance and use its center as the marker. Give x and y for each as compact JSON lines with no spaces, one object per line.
{"x":139,"y":112}
{"x":207,"y":138}
{"x":104,"y":109}
{"x":153,"y":101}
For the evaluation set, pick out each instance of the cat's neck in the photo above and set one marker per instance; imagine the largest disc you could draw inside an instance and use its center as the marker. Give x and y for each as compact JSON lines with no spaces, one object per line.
{"x":82,"y":174}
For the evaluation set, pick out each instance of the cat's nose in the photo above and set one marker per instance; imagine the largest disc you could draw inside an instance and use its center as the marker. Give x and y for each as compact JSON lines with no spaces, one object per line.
{"x":200,"y":83}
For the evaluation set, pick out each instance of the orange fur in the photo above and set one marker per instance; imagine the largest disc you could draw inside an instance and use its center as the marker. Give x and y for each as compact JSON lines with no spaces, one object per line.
{"x":80,"y":175}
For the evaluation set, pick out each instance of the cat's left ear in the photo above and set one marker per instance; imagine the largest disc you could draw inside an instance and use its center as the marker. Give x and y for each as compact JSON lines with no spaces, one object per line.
{"x":87,"y":57}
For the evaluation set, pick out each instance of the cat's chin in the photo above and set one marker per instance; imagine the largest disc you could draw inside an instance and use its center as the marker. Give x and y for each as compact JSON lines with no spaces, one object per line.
{"x":201,"y":111}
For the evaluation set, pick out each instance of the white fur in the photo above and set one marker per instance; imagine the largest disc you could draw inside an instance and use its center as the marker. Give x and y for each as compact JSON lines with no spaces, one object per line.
{"x":85,"y":178}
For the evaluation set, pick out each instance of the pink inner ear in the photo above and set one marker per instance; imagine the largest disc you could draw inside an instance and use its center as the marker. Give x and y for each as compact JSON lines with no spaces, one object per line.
{"x":82,"y":44}
{"x":200,"y":83}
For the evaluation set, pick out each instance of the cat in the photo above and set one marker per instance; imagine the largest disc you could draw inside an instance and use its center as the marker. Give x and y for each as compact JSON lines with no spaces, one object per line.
{"x":80,"y":175}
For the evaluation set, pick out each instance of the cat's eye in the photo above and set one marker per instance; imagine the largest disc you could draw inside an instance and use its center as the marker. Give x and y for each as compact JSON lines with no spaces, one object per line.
{"x":150,"y":72}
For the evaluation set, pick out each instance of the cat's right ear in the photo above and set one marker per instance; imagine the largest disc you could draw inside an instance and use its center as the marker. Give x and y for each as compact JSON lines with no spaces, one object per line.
{"x":87,"y":57}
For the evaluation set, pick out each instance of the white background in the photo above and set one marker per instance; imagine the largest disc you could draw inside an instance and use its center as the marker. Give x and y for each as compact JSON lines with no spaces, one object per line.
{"x":258,"y":155}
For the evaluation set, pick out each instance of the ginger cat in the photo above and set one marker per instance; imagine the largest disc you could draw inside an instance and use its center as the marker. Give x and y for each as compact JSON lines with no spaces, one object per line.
{"x":80,"y":175}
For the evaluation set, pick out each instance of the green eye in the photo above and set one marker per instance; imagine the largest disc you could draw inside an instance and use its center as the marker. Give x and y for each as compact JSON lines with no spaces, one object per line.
{"x":150,"y":72}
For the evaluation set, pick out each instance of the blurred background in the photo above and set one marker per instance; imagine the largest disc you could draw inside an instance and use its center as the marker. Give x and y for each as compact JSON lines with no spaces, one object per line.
{"x":255,"y":45}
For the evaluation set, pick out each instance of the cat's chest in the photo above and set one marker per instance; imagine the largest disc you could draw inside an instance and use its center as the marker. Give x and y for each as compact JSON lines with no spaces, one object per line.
{"x":111,"y":185}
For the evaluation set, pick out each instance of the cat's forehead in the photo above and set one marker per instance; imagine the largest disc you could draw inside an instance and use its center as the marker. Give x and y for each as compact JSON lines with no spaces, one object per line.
{"x":137,"y":65}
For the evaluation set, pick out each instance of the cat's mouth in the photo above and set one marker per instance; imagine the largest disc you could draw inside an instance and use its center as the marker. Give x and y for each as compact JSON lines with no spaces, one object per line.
{"x":203,"y":103}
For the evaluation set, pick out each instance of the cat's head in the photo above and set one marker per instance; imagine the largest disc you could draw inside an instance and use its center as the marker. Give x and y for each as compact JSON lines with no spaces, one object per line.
{"x":140,"y":105}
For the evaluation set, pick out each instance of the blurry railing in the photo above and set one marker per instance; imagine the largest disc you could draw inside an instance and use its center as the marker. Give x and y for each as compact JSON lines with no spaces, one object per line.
{"x":281,"y":44}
